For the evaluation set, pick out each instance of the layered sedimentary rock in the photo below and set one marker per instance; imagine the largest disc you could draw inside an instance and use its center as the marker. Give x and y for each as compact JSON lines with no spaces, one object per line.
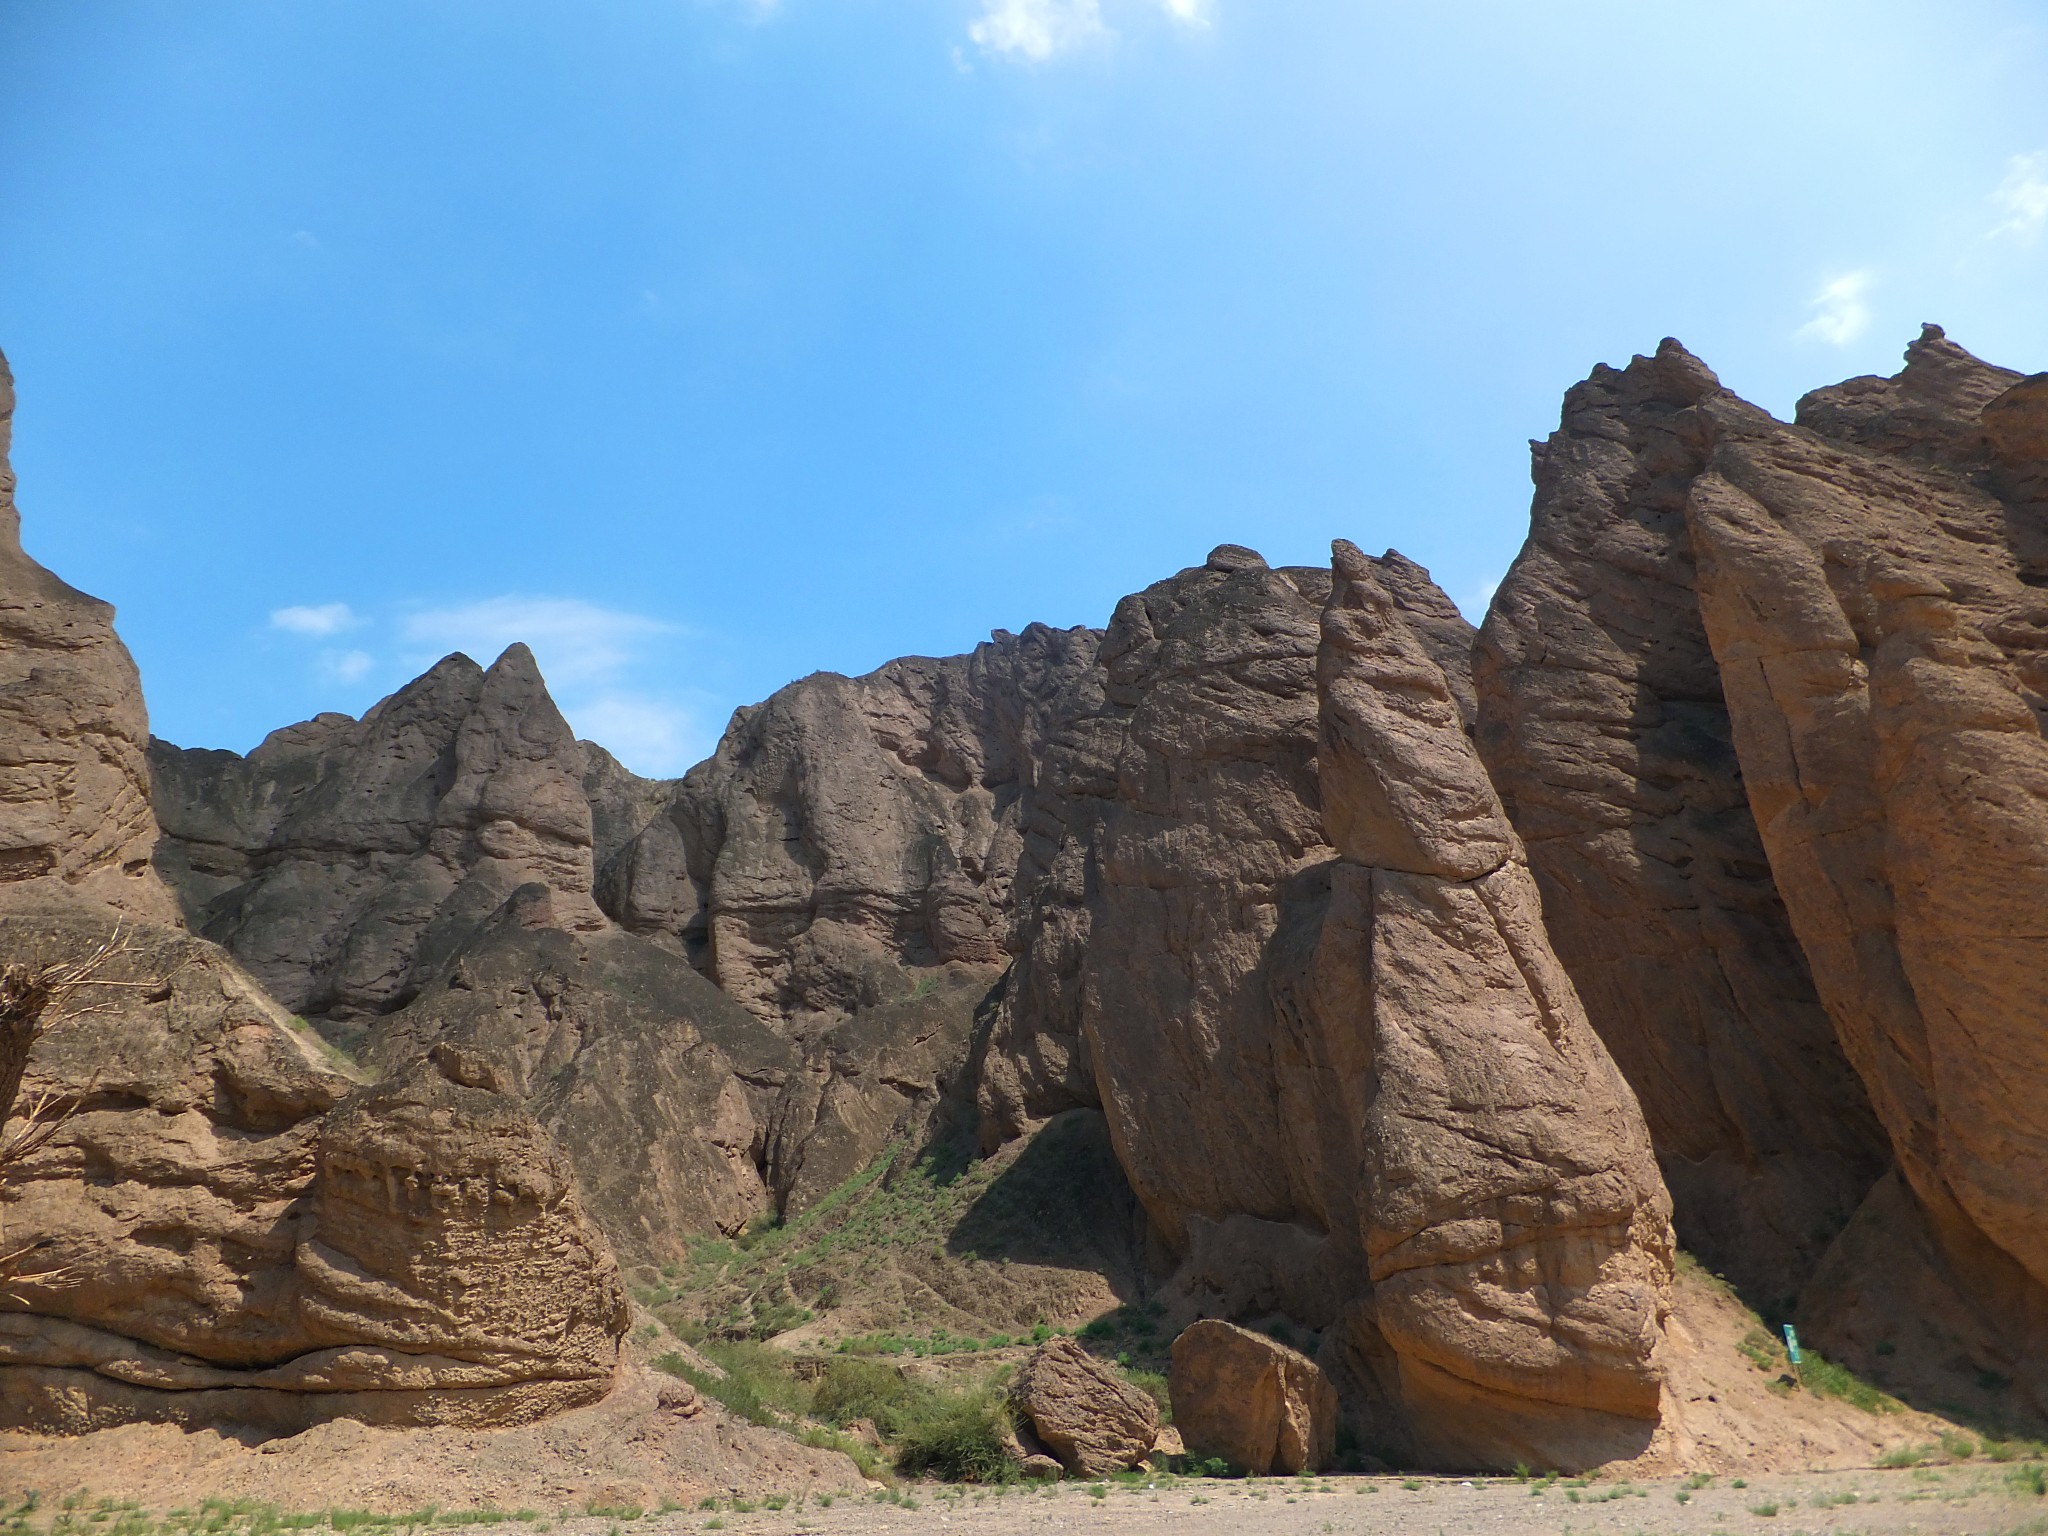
{"x":74,"y":790}
{"x":227,"y":1226}
{"x":1603,"y":725}
{"x":342,"y":861}
{"x":850,"y":828}
{"x":230,"y":1229}
{"x":1349,"y":1083}
{"x":1765,"y":702}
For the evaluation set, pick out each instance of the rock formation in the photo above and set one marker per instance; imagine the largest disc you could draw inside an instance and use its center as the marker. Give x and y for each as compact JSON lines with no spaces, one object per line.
{"x":231,"y":1229}
{"x":342,"y":862}
{"x":658,"y":1087}
{"x":1604,"y":729}
{"x":1405,"y":973}
{"x":1839,"y":621}
{"x":1242,"y":1398}
{"x":228,"y":1227}
{"x":74,"y":792}
{"x":1083,"y":1411}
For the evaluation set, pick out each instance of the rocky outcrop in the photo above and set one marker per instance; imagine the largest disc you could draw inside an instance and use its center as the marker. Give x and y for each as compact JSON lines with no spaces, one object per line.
{"x":74,"y":792}
{"x":343,"y":862}
{"x":1603,"y":726}
{"x":1513,"y":1221}
{"x":1866,"y":589}
{"x":1350,"y":1084}
{"x":615,"y":1046}
{"x":230,"y":1229}
{"x":849,"y":829}
{"x":1081,"y":1410}
{"x":1243,"y":1398}
{"x":1839,"y":622}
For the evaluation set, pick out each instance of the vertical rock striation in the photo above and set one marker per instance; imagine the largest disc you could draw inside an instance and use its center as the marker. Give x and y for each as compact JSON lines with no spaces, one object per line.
{"x":1603,"y":725}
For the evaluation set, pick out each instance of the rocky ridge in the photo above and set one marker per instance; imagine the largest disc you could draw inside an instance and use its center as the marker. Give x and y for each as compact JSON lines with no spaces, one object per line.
{"x":1421,"y":982}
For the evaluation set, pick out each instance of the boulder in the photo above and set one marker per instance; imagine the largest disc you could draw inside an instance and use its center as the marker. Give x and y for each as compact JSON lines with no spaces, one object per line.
{"x":1082,"y":1411}
{"x":1251,"y":1401}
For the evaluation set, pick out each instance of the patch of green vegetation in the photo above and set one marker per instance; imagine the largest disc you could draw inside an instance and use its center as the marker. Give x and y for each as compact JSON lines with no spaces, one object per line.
{"x":1907,"y":1456}
{"x":1826,"y":1379}
{"x":2028,"y":1479}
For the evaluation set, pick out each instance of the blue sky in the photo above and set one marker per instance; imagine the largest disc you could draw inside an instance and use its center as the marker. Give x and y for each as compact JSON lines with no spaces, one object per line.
{"x":705,"y":343}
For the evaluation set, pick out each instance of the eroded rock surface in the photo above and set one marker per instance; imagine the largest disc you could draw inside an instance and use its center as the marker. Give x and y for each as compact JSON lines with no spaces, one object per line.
{"x":659,"y":1088}
{"x":1603,"y":726}
{"x":74,"y":789}
{"x":1088,"y":1416}
{"x":343,"y":862}
{"x":1251,"y":1401}
{"x":240,"y":1233}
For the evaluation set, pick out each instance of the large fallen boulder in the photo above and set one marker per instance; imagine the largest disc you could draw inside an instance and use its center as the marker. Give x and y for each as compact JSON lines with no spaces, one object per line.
{"x":1243,"y":1398}
{"x":1082,"y":1411}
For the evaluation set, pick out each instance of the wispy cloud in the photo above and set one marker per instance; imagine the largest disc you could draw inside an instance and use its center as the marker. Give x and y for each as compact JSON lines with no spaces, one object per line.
{"x":595,"y":659}
{"x":1037,"y":29}
{"x":1840,"y":310}
{"x":323,"y":619}
{"x":577,"y":643}
{"x":346,"y":666}
{"x":2022,"y":199}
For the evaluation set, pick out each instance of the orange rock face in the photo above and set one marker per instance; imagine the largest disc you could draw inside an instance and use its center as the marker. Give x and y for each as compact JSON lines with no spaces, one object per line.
{"x":1251,"y":1401}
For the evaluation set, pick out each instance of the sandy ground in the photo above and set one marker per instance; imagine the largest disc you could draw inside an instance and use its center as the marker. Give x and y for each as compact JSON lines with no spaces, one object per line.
{"x":654,"y":1443}
{"x":1933,"y":1502}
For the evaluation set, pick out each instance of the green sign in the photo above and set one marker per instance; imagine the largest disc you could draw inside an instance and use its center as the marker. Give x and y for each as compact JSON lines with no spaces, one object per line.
{"x":1792,"y":1343}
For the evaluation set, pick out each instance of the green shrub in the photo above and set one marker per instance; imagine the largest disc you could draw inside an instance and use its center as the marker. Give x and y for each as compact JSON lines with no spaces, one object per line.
{"x":2029,"y":1479}
{"x":856,"y":1388}
{"x":1154,"y":1386}
{"x":962,"y":1438}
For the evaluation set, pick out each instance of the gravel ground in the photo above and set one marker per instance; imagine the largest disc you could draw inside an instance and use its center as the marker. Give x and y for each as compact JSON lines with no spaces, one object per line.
{"x":1981,"y":1500}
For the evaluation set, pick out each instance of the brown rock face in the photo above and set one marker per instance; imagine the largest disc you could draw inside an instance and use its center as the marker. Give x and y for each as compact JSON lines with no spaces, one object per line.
{"x":1840,"y":622}
{"x":74,"y":791}
{"x":1254,"y":1403}
{"x":1083,"y":1412}
{"x":1603,"y":725}
{"x":658,"y":1087}
{"x":1358,"y":1093}
{"x":1513,"y":1219}
{"x":248,"y":1237}
{"x":343,"y":861}
{"x":1870,"y":600}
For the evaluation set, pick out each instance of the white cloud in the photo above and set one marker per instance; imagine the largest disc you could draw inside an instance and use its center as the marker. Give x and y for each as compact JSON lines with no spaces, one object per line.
{"x":2023,"y":198}
{"x":577,"y":643}
{"x":1840,"y":313}
{"x":346,"y":666}
{"x":325,"y":619}
{"x":1037,"y":29}
{"x":650,"y":735}
{"x":1193,"y":13}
